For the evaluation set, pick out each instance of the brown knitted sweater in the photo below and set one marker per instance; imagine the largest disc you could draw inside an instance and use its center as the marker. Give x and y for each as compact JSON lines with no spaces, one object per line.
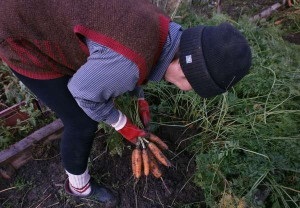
{"x":43,"y":39}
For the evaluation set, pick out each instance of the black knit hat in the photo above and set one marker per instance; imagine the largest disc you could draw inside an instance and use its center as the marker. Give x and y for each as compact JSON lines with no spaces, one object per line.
{"x":214,"y":58}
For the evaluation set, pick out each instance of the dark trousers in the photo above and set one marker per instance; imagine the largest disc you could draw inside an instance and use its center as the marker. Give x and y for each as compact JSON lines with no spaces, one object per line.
{"x":79,"y":129}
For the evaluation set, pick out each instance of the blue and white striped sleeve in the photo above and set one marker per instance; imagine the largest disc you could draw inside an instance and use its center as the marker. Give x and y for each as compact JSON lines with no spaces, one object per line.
{"x":104,"y":76}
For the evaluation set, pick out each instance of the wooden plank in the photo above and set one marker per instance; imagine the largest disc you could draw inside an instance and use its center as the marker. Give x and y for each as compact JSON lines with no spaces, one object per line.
{"x":19,"y":153}
{"x":266,"y":13}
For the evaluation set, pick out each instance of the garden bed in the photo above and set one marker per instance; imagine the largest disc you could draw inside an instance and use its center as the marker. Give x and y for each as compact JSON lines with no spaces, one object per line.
{"x":21,"y":152}
{"x":40,"y":182}
{"x":11,"y":115}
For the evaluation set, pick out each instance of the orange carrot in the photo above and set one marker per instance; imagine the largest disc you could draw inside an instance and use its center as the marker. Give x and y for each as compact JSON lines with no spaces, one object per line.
{"x":136,"y":159}
{"x":158,"y":154}
{"x":154,"y":166}
{"x":145,"y":162}
{"x":158,"y":141}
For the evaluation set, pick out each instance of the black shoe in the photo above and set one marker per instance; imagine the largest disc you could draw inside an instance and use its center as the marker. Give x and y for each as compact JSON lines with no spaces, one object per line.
{"x":99,"y":194}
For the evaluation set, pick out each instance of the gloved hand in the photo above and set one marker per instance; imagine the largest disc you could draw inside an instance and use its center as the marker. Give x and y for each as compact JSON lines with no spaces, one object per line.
{"x":144,"y":111}
{"x":128,"y":130}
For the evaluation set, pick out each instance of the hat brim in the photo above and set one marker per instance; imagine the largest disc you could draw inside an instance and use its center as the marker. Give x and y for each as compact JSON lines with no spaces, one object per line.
{"x":193,"y":64}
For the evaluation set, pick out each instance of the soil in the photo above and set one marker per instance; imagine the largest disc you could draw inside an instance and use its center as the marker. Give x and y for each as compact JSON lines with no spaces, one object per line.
{"x":39,"y":183}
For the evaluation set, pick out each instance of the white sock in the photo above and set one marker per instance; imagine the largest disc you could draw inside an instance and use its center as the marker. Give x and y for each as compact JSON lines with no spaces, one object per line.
{"x":80,"y":184}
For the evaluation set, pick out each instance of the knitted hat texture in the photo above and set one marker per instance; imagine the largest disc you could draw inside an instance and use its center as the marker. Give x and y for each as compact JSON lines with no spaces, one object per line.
{"x":214,"y":58}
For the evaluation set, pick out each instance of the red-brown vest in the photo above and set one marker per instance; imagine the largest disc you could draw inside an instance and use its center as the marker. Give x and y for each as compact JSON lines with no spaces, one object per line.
{"x":43,"y":39}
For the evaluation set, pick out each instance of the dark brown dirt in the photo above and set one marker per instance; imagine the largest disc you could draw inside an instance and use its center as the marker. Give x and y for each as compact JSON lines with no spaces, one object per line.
{"x":42,"y":180}
{"x":293,"y":38}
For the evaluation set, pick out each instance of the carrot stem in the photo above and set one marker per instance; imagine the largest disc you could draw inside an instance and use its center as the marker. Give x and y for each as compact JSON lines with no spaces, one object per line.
{"x":162,"y":180}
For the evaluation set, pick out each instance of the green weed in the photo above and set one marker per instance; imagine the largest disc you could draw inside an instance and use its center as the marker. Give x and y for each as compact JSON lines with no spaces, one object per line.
{"x":247,"y":140}
{"x":247,"y":143}
{"x":13,"y":92}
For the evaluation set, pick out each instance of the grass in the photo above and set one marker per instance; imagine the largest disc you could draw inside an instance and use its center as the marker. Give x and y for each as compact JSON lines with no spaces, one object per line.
{"x":247,"y":143}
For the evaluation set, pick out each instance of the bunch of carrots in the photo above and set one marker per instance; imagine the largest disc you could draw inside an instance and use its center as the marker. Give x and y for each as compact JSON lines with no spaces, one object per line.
{"x":145,"y":156}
